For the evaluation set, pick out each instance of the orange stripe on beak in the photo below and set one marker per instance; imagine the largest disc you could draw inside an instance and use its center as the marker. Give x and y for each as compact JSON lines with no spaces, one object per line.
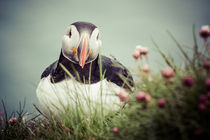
{"x":83,"y":53}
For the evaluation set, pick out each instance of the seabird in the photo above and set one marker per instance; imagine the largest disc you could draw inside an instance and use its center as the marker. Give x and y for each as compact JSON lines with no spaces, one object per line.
{"x":82,"y":78}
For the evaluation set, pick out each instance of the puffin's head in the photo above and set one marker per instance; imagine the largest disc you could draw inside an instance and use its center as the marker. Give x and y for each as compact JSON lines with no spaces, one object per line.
{"x":81,"y":43}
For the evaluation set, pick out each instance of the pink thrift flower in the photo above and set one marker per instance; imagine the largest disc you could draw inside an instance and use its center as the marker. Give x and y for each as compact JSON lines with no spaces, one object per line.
{"x":208,"y":83}
{"x":203,"y":98}
{"x":13,"y":120}
{"x":188,"y":81}
{"x":161,"y":103}
{"x":206,"y":65}
{"x":202,"y":107}
{"x":146,"y":68}
{"x":140,"y":97}
{"x":142,"y":50}
{"x":136,"y":54}
{"x":205,"y":32}
{"x":123,"y":96}
{"x":115,"y":130}
{"x":168,"y":73}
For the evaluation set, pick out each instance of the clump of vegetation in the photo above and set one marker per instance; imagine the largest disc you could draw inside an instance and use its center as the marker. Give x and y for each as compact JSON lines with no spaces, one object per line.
{"x":171,"y":104}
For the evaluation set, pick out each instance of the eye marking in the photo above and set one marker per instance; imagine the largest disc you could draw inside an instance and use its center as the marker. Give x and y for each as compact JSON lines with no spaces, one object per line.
{"x":70,"y":34}
{"x":74,"y":50}
{"x":89,"y":53}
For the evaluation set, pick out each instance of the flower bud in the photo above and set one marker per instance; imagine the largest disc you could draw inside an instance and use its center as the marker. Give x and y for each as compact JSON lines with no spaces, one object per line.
{"x":205,"y":32}
{"x":161,"y":103}
{"x":168,"y":73}
{"x":206,"y":65}
{"x":203,"y":98}
{"x":140,"y":97}
{"x":142,"y":50}
{"x":146,"y":68}
{"x":124,"y":96}
{"x":188,"y":81}
{"x":202,"y":107}
{"x":208,"y":83}
{"x":13,"y":120}
{"x":136,"y":54}
{"x":115,"y":130}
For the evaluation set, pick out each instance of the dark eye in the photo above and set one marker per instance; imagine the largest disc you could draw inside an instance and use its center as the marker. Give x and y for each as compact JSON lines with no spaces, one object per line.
{"x":70,"y":34}
{"x":97,"y":37}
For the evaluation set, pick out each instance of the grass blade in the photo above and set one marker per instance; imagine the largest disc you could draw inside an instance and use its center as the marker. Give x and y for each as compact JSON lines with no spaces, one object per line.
{"x":167,"y":59}
{"x":179,"y":46}
{"x":65,"y":69}
{"x":5,"y":111}
{"x":40,"y":111}
{"x":100,"y":67}
{"x":195,"y":44}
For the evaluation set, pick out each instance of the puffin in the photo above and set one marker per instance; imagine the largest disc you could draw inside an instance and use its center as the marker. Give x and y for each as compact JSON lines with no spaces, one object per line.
{"x":83,"y":79}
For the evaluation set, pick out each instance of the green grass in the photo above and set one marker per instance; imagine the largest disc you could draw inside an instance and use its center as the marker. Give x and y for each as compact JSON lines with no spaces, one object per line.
{"x":181,"y":118}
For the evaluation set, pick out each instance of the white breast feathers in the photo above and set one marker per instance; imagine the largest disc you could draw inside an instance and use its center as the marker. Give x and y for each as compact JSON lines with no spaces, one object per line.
{"x":70,"y":95}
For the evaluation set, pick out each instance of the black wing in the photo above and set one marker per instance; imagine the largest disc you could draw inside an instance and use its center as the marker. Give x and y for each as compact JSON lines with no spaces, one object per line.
{"x":117,"y":73}
{"x":114,"y":72}
{"x":56,"y":72}
{"x":50,"y":69}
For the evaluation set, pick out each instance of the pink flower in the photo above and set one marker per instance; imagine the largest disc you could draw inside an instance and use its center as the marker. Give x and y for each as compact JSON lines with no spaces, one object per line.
{"x":136,"y":54}
{"x":142,"y":50}
{"x":146,"y":68}
{"x":202,"y":107}
{"x":206,"y":65}
{"x":203,"y":98}
{"x":161,"y":103}
{"x":13,"y":120}
{"x":205,"y":32}
{"x":115,"y":130}
{"x":124,"y":96}
{"x":168,"y":73}
{"x":208,"y":83}
{"x":140,"y":97}
{"x":188,"y":81}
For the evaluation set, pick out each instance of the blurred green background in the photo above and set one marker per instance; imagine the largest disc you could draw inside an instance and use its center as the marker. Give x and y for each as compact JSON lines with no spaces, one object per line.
{"x":31,"y":33}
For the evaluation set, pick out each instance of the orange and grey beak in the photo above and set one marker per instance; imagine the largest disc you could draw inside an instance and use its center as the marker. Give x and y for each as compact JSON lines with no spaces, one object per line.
{"x":83,"y":46}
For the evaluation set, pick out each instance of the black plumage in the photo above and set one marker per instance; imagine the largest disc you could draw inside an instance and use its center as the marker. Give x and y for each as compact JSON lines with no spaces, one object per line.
{"x":113,"y":71}
{"x":81,"y":26}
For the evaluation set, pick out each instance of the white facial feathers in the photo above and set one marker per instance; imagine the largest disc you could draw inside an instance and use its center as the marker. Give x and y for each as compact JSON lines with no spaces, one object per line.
{"x":94,"y":44}
{"x":94,"y":38}
{"x":73,"y":38}
{"x":69,"y":42}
